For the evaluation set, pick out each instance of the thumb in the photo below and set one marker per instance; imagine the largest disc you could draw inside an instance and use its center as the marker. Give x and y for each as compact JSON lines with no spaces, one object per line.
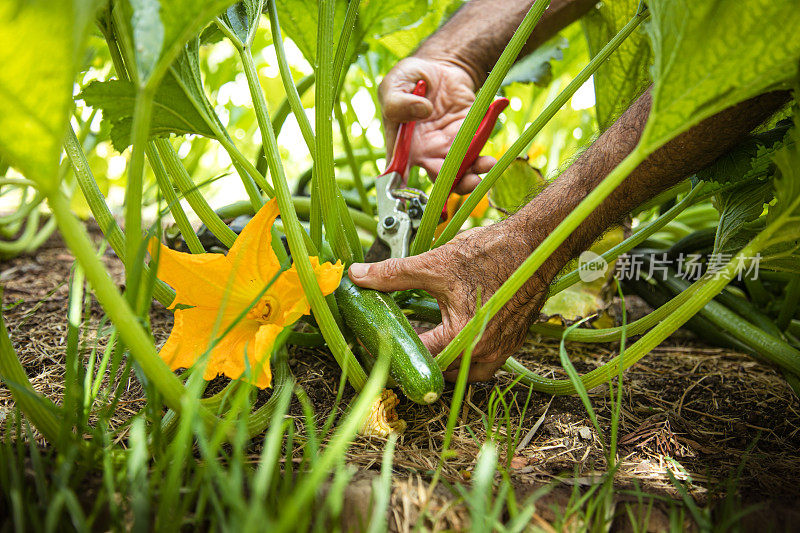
{"x":389,"y":275}
{"x":400,"y":107}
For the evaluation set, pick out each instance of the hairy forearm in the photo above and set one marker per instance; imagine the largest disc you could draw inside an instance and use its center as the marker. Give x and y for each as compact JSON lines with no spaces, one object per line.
{"x":679,"y":158}
{"x":476,"y":35}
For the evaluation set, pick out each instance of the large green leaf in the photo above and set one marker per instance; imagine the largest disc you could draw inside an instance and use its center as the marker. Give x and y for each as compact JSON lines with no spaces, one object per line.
{"x":404,"y":41}
{"x":535,"y":67}
{"x":626,"y":72}
{"x":750,"y":159}
{"x":173,"y":112}
{"x":749,"y":166}
{"x":785,"y":254}
{"x":710,"y":55}
{"x":518,"y":184}
{"x":159,"y":29}
{"x":740,"y":212}
{"x":42,"y":48}
{"x":298,"y":19}
{"x":376,"y":18}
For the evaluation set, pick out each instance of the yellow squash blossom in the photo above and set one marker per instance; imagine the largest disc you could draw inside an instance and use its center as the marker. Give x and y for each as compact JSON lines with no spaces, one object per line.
{"x":220,"y":287}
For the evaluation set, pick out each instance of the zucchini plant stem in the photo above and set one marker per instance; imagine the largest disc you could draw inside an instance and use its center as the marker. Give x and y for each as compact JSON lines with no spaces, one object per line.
{"x":355,"y":169}
{"x":528,"y":135}
{"x":339,"y":69}
{"x":296,"y":236}
{"x":197,"y":201}
{"x":133,"y":191}
{"x":292,"y":95}
{"x":333,"y":218}
{"x":456,"y":153}
{"x":315,"y":215}
{"x":174,"y":205}
{"x":790,"y":303}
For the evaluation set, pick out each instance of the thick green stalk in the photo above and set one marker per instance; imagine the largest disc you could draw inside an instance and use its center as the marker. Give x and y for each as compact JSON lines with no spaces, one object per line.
{"x":540,"y":255}
{"x":541,"y":121}
{"x":296,"y":236}
{"x":292,"y":95}
{"x":42,"y":412}
{"x":351,"y":160}
{"x":789,"y":303}
{"x":139,"y":343}
{"x":362,"y":220}
{"x":189,"y":191}
{"x":323,"y":164}
{"x":455,"y":155}
{"x":101,"y":213}
{"x":315,"y":217}
{"x":341,"y":48}
{"x":142,"y":112}
{"x":174,"y":205}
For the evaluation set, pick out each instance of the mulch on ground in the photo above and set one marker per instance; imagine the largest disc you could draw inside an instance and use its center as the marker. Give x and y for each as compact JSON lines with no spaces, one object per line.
{"x":696,"y":411}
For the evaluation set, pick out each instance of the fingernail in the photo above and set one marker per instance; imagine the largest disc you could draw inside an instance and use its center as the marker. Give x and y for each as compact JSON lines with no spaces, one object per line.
{"x":358,"y":270}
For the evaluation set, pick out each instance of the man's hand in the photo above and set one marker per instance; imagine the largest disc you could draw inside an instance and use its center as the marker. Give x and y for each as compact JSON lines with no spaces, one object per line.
{"x":454,"y":62}
{"x":440,"y":113}
{"x":485,"y":257}
{"x":476,"y":262}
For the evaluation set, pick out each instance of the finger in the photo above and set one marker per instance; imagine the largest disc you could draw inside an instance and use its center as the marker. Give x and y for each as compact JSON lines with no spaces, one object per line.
{"x":483,"y":164}
{"x":432,"y":166}
{"x":401,"y":107}
{"x":389,"y":136}
{"x":436,"y":339}
{"x":391,"y":275}
{"x":471,"y":179}
{"x":467,"y":184}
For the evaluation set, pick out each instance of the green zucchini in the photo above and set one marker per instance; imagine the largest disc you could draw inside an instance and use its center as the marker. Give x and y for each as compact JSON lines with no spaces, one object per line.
{"x":381,"y":327}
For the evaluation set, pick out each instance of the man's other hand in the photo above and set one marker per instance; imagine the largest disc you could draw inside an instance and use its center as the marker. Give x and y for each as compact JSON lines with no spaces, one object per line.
{"x":476,"y":261}
{"x":440,"y":113}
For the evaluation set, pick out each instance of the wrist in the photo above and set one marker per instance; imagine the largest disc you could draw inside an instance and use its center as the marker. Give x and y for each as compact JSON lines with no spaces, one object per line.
{"x":452,"y":58}
{"x":529,"y":227}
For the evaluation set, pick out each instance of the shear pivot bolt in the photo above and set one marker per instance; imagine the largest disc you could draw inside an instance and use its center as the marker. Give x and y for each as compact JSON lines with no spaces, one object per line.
{"x":390,"y":224}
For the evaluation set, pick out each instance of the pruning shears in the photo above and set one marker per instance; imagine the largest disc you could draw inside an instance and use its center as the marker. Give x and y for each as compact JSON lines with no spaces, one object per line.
{"x":400,"y":209}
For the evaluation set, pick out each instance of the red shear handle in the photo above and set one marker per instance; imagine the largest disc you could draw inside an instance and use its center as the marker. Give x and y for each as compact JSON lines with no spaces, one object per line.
{"x":478,"y":141}
{"x":402,"y":146}
{"x":481,"y":136}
